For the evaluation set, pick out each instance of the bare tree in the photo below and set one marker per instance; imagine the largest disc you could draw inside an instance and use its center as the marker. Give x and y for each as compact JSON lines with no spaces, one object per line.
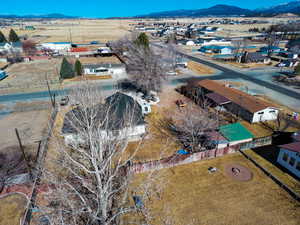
{"x":272,"y":40}
{"x":147,"y":67}
{"x":190,"y":126}
{"x":239,"y":48}
{"x":29,"y":47}
{"x":91,"y":185}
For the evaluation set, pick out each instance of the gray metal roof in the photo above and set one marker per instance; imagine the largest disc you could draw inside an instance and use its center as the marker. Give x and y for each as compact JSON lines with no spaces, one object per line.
{"x":105,"y":65}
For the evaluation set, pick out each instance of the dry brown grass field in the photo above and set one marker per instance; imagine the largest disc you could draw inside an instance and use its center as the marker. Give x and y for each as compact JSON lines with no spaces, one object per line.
{"x":29,"y":76}
{"x":12,"y":208}
{"x":77,"y":31}
{"x":200,"y":69}
{"x":191,"y":195}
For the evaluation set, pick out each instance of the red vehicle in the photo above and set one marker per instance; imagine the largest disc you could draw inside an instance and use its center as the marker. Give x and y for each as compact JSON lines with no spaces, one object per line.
{"x":180,"y":103}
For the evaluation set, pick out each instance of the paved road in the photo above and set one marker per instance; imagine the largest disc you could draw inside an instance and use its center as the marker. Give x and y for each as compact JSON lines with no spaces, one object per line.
{"x":229,"y":73}
{"x":226,"y":73}
{"x":42,"y":94}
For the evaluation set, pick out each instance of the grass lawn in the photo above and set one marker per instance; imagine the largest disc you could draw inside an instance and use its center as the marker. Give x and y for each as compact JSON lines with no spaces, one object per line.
{"x":266,"y":157}
{"x":158,"y":143}
{"x":194,"y":196}
{"x":12,"y":208}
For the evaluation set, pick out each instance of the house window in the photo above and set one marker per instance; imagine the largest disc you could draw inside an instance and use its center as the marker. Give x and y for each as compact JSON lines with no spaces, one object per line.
{"x":298,"y":166}
{"x":285,"y":157}
{"x":272,"y":111}
{"x":261,"y":113}
{"x":292,"y":161}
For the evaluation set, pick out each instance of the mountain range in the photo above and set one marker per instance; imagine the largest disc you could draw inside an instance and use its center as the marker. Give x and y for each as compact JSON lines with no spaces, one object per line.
{"x":217,"y":10}
{"x":45,"y":16}
{"x":228,"y":10}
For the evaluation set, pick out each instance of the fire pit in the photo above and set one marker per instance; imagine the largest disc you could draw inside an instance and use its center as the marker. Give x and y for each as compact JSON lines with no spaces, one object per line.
{"x":238,"y":172}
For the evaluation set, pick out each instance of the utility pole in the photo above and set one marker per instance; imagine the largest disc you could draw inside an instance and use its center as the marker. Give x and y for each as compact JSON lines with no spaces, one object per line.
{"x":23,"y":153}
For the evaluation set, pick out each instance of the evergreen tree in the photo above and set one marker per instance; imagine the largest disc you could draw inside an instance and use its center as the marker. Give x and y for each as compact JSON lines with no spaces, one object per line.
{"x":297,"y":69}
{"x":142,"y":40}
{"x":66,"y":70}
{"x":2,"y":38}
{"x":78,"y":68}
{"x":13,"y":37}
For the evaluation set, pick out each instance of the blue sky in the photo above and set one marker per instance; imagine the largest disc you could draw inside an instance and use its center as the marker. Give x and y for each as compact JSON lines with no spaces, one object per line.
{"x":108,"y":8}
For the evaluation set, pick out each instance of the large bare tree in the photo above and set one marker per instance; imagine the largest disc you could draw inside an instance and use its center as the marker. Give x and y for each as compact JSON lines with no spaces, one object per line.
{"x":190,"y":126}
{"x":239,"y":48}
{"x":147,"y":65}
{"x":90,"y":181}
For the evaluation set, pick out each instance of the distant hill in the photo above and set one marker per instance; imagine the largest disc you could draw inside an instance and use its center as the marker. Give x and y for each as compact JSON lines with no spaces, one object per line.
{"x":46,"y":16}
{"x":217,"y":10}
{"x":290,"y":7}
{"x":227,"y":10}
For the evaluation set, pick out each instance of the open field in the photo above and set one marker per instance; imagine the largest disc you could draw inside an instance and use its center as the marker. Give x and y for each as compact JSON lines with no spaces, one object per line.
{"x":200,"y":69}
{"x":194,"y":196}
{"x":76,"y":30}
{"x":31,"y":75}
{"x":12,"y":208}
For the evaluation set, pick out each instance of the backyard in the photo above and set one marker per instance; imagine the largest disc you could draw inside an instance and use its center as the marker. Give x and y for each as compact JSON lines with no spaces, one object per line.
{"x":192,"y":195}
{"x":12,"y":208}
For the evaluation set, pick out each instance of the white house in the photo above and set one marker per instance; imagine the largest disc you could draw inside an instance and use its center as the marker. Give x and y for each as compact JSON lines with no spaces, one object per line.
{"x":216,"y":42}
{"x":10,"y":47}
{"x":289,"y":157}
{"x":120,"y":117}
{"x":190,"y":43}
{"x":57,"y":46}
{"x":239,"y":103}
{"x":267,"y":114}
{"x":104,"y":69}
{"x":226,"y":51}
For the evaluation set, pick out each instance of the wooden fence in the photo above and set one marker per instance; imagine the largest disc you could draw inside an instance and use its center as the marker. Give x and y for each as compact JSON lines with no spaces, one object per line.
{"x":42,"y":151}
{"x":177,"y":159}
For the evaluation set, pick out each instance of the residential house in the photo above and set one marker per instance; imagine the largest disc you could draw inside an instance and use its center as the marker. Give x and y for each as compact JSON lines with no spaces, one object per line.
{"x":29,"y":28}
{"x":272,"y":49}
{"x":255,"y":57}
{"x":223,"y":50}
{"x":9,"y":47}
{"x":234,"y":101}
{"x":120,"y":117}
{"x":288,"y":55}
{"x":104,"y":69}
{"x":57,"y":46}
{"x":289,"y":157}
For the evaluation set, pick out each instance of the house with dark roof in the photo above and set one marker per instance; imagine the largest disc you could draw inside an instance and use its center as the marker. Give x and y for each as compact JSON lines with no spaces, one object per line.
{"x":232,"y":100}
{"x":255,"y":57}
{"x":289,"y":157}
{"x":119,"y":117}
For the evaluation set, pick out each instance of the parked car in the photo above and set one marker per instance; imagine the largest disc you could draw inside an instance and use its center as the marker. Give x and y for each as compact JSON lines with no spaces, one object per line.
{"x":64,"y":101}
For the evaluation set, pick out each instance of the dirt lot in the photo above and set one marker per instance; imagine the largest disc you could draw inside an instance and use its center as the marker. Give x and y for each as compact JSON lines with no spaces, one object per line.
{"x":30,"y":75}
{"x":12,"y":208}
{"x":31,"y":126}
{"x":194,"y":196}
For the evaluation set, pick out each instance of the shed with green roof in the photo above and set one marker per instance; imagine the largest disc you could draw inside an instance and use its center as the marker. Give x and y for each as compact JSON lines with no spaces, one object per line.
{"x":236,"y":133}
